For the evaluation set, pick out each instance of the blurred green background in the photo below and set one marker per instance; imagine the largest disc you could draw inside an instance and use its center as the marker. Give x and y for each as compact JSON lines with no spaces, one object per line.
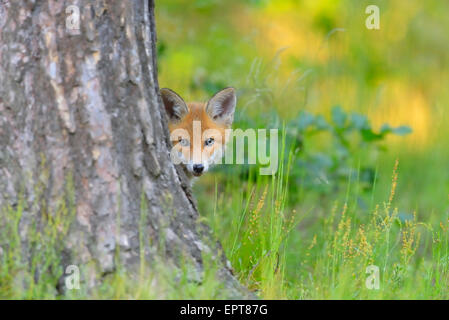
{"x":287,"y":56}
{"x":314,"y":67}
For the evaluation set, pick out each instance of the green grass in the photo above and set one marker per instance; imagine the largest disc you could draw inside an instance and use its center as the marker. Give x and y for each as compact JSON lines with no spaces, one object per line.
{"x":276,"y":251}
{"x":284,"y":253}
{"x":31,"y":267}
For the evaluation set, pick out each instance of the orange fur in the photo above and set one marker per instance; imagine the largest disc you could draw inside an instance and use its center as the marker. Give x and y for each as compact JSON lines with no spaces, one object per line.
{"x":199,"y":130}
{"x":197,"y":112}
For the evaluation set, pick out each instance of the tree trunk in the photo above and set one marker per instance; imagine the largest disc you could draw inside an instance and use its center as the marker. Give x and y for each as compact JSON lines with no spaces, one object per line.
{"x":80,"y":113}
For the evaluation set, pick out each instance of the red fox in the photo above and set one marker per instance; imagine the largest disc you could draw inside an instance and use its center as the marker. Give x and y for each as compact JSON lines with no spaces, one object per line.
{"x":198,"y":131}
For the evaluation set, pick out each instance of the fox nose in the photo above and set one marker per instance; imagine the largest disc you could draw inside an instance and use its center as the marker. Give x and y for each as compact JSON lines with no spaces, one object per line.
{"x":198,"y":168}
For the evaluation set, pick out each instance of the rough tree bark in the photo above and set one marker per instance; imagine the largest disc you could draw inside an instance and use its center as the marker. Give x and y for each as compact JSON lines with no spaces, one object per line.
{"x":87,"y":105}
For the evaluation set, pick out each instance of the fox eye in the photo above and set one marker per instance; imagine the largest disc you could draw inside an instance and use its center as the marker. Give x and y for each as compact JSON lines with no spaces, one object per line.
{"x":184,"y":142}
{"x":209,"y":142}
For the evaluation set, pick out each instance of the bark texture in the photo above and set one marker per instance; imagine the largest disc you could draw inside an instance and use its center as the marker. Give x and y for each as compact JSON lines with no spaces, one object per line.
{"x":85,"y":103}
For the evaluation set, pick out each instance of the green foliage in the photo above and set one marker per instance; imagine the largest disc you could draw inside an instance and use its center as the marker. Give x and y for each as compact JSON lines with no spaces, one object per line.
{"x":31,"y":266}
{"x":279,"y":252}
{"x":349,"y":132}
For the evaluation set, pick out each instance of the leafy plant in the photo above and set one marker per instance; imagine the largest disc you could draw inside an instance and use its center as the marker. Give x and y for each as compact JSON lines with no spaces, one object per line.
{"x":349,"y":132}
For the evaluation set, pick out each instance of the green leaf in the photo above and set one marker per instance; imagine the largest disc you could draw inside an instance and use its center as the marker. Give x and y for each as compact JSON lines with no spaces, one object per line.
{"x":402,"y":130}
{"x":359,"y":121}
{"x":305,"y":120}
{"x":339,"y":117}
{"x":385,"y":128}
{"x":368,"y":135}
{"x":321,"y":123}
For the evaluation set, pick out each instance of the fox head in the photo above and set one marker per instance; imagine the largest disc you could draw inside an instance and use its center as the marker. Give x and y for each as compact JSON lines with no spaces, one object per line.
{"x":198,"y":130}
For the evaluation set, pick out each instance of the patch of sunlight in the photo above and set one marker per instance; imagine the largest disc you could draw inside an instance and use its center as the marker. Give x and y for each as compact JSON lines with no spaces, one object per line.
{"x":333,"y":90}
{"x":396,"y":19}
{"x":401,"y":104}
{"x":312,"y":7}
{"x":284,"y":25}
{"x":324,"y":6}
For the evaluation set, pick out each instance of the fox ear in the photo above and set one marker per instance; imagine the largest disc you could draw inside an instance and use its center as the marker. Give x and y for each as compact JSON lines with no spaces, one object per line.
{"x":174,"y":105}
{"x":221,"y":106}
